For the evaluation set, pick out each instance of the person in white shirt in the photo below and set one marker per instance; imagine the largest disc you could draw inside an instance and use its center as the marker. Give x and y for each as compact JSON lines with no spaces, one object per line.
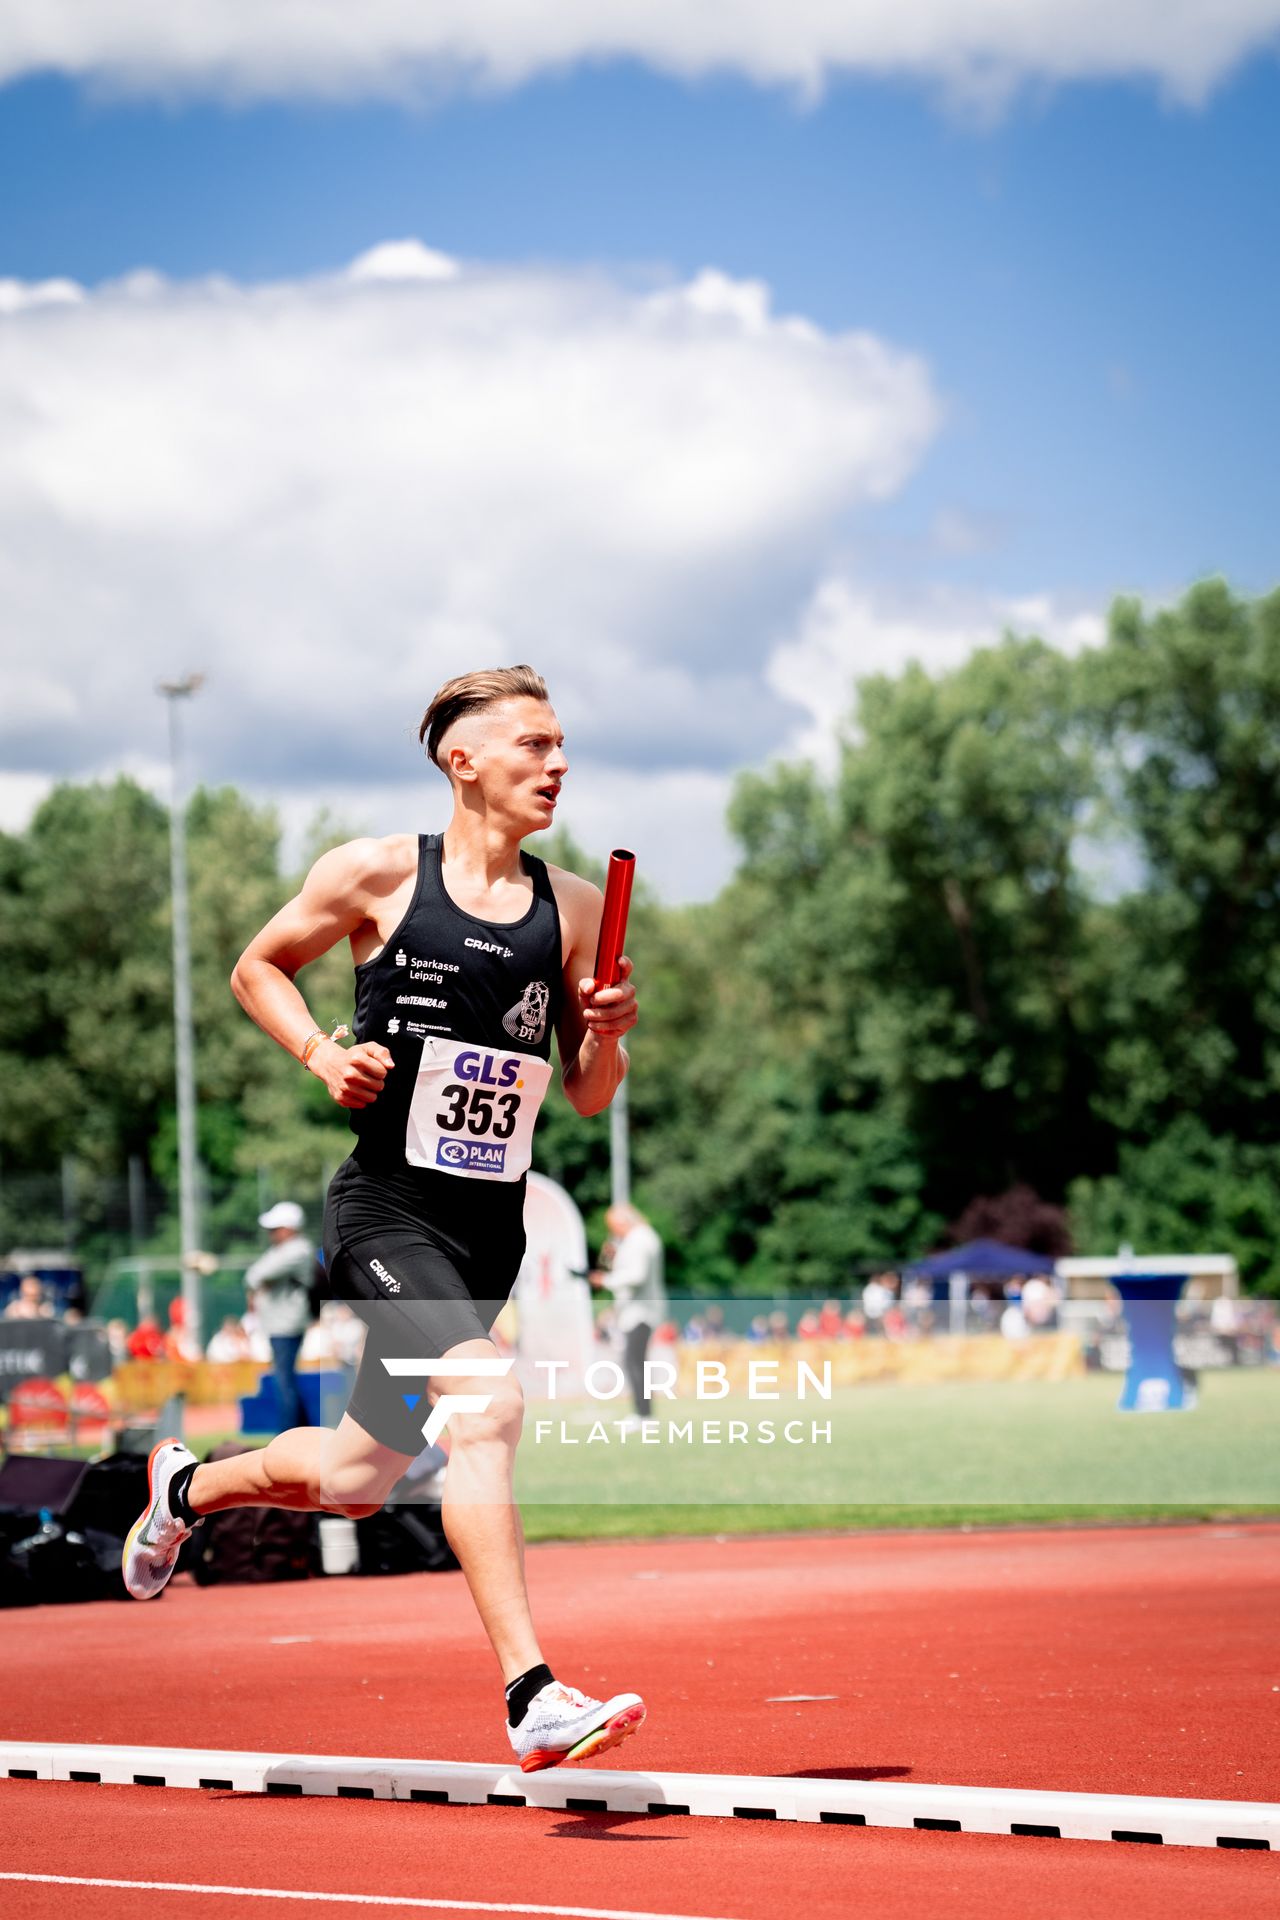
{"x":636,"y":1282}
{"x":229,"y":1344}
{"x":277,"y":1285}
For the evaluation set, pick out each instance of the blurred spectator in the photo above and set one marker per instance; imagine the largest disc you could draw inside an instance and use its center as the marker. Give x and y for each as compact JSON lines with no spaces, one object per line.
{"x":639,"y":1294}
{"x":894,"y":1322}
{"x":178,"y":1344}
{"x":318,"y":1347}
{"x":146,"y":1342}
{"x":1225,"y":1324}
{"x":831,"y":1321}
{"x":779,"y":1325}
{"x":604,"y":1328}
{"x":1013,"y":1324}
{"x":984,"y":1311}
{"x":713,"y":1324}
{"x":1039,"y":1304}
{"x":259,"y":1345}
{"x":118,"y":1341}
{"x":230,"y":1343}
{"x":917,"y":1296}
{"x":855,"y":1324}
{"x":278,"y":1284}
{"x":758,"y":1330}
{"x":72,"y":1317}
{"x":809,"y":1326}
{"x":346,"y":1331}
{"x":878,"y":1294}
{"x":28,"y":1302}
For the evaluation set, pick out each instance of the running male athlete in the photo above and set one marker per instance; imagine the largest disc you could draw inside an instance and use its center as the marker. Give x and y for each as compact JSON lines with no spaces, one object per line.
{"x":467,"y":953}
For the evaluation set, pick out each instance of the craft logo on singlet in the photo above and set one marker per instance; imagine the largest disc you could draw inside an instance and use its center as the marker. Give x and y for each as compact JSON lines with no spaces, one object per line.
{"x":471,"y":1156}
{"x":528,"y":1020}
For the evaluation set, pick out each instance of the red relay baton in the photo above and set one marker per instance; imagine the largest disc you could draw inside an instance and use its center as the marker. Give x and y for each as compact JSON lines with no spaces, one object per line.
{"x":613,"y":921}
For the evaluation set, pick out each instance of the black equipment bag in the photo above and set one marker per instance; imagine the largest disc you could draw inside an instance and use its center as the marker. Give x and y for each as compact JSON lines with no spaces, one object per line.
{"x":249,"y":1546}
{"x":74,"y":1553}
{"x":407,"y":1539}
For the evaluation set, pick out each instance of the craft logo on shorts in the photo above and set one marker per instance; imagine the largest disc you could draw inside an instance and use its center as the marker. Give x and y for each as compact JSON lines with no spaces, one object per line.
{"x":471,"y":1156}
{"x":388,"y":1280}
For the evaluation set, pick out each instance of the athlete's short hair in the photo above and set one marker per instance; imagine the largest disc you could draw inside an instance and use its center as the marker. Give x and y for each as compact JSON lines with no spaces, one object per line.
{"x":472,"y":693}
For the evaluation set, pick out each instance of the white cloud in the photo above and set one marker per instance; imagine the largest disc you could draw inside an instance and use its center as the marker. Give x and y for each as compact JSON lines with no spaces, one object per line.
{"x":337,"y":49}
{"x":17,"y":294}
{"x":403,"y":260}
{"x":20,"y":795}
{"x":330,"y":494}
{"x":848,"y":632}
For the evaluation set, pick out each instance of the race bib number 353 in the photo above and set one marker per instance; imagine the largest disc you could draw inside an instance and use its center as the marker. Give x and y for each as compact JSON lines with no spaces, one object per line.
{"x":473,"y":1110}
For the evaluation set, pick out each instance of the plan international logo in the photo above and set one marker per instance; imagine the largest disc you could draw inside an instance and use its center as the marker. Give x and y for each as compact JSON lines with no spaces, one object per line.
{"x":471,"y":1156}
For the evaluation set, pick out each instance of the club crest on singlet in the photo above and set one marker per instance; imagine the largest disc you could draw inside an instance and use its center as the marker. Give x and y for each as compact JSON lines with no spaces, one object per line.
{"x":528,"y":1020}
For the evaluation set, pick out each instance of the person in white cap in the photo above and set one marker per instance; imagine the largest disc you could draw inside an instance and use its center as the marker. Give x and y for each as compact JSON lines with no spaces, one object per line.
{"x":277,"y":1285}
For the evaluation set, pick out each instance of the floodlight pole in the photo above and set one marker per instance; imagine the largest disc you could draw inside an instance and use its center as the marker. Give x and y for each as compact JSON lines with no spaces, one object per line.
{"x":183,"y":1027}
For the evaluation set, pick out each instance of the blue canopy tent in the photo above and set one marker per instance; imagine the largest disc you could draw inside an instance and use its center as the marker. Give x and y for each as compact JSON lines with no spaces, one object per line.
{"x":952,"y":1270}
{"x":982,"y":1260}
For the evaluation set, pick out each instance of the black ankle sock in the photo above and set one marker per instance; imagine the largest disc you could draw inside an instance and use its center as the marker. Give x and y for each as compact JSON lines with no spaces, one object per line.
{"x":179,"y":1506}
{"x":521,"y":1692}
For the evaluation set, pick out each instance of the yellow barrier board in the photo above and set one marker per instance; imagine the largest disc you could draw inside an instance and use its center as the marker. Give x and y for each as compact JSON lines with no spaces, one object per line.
{"x":983,"y":1356}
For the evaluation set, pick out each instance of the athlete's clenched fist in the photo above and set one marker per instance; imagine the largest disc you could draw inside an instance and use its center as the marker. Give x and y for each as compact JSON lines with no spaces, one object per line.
{"x":609,"y":1012}
{"x":354,"y":1075}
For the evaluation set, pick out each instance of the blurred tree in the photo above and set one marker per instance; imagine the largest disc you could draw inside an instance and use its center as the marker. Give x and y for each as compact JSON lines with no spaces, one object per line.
{"x":1189,"y":1191}
{"x":1186,"y":705}
{"x":919,"y":930}
{"x":921,"y":984}
{"x":86,"y":1042}
{"x":1018,"y":1218}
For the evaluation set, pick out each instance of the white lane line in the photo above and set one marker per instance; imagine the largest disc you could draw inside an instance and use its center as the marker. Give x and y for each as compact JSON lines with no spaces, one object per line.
{"x":354,"y":1899}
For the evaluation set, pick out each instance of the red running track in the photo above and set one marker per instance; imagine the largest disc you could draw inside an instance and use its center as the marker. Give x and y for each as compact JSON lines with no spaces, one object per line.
{"x":1125,"y":1660}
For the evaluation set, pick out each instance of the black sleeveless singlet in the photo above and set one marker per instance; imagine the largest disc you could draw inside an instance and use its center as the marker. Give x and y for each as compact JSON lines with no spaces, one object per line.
{"x":446,"y":976}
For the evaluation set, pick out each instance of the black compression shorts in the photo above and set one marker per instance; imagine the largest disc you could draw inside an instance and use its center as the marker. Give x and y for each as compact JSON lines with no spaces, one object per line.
{"x":426,"y":1264}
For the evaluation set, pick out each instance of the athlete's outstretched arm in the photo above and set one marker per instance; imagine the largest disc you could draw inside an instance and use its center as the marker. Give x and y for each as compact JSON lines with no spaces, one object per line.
{"x":335,"y":899}
{"x":591,"y":1023}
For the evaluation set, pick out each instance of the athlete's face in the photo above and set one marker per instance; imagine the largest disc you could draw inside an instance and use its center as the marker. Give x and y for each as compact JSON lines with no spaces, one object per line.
{"x":520,"y":761}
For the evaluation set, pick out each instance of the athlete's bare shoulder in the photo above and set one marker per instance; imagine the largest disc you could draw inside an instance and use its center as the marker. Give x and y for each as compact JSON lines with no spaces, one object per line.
{"x":574,"y":894}
{"x":581,"y":903}
{"x":364,"y":870}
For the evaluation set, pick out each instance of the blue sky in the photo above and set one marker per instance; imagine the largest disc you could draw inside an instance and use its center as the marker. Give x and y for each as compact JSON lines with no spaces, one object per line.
{"x":1090,"y":275}
{"x":1095,"y":277}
